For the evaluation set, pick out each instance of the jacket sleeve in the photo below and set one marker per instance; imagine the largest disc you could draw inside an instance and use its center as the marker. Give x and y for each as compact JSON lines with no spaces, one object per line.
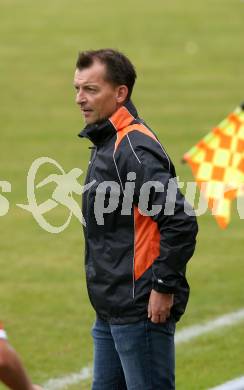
{"x":176,"y":219}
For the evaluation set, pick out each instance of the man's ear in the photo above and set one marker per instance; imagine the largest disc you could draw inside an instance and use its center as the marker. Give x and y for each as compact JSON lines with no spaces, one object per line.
{"x":122,"y":93}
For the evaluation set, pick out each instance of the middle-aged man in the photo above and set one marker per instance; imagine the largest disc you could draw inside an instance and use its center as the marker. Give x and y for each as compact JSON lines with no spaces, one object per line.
{"x":135,"y":257}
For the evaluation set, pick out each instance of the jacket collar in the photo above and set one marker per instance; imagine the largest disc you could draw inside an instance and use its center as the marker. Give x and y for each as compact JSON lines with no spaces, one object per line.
{"x":99,"y":133}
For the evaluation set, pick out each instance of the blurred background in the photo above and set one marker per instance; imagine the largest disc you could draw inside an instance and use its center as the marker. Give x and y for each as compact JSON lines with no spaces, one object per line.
{"x":189,"y":59}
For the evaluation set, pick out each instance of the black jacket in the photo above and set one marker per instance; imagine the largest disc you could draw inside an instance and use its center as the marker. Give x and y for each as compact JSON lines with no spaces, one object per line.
{"x":127,"y":252}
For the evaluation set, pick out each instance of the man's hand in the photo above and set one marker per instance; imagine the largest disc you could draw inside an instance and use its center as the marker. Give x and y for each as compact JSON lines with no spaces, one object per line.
{"x":159,"y":306}
{"x":36,"y":387}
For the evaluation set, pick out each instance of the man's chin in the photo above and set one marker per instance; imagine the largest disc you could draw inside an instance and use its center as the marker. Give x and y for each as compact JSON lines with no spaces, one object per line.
{"x":90,"y":121}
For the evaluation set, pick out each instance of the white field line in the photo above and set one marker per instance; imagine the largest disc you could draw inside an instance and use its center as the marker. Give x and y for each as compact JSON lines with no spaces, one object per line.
{"x":194,"y":331}
{"x":182,"y":336}
{"x":69,"y":380}
{"x":236,"y":384}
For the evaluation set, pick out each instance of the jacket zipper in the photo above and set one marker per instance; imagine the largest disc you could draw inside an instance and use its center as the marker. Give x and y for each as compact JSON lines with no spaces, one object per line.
{"x":91,"y":162}
{"x":133,"y":268}
{"x":88,"y":175}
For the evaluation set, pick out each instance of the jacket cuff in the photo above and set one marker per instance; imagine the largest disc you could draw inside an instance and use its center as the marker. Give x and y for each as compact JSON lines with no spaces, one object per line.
{"x":161,"y":287}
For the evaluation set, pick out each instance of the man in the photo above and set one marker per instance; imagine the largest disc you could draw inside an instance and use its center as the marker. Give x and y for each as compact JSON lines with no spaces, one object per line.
{"x":12,"y":372}
{"x":135,"y":258}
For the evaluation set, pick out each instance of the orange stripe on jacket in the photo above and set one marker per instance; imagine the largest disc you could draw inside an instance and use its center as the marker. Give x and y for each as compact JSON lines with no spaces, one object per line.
{"x":147,"y":243}
{"x":121,"y":118}
{"x":123,"y":133}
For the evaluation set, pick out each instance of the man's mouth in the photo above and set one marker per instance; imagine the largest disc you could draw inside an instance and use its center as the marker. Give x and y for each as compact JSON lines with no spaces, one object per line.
{"x":86,"y":111}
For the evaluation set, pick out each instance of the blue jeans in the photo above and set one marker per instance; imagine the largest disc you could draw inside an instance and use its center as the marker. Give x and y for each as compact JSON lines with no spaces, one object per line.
{"x":138,"y":356}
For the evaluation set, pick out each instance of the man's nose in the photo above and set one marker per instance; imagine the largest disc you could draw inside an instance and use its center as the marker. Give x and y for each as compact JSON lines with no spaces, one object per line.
{"x":80,"y":97}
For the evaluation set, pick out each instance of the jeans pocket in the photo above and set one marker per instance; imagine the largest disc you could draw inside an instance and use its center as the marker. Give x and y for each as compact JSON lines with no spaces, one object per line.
{"x":167,"y":327}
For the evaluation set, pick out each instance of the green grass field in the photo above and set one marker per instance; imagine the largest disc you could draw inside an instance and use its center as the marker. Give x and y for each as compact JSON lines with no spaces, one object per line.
{"x":189,"y":58}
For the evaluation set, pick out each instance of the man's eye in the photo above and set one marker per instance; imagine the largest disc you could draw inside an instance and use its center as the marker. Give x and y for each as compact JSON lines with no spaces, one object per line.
{"x":91,"y":89}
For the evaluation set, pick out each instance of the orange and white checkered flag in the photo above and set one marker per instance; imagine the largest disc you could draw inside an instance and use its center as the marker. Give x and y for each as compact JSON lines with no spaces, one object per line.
{"x":217,"y":162}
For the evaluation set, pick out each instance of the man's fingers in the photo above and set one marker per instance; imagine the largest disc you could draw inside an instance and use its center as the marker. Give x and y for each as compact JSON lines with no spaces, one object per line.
{"x":159,"y":306}
{"x":160,"y":317}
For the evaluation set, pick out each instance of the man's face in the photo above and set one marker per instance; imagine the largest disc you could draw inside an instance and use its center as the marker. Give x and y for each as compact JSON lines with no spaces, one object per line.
{"x":98,"y":99}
